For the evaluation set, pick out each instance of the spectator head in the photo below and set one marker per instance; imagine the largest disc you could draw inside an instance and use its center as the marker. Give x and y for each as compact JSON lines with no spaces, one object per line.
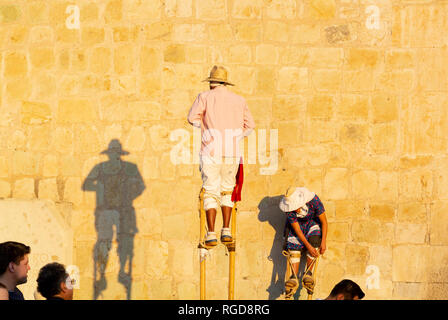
{"x":14,"y":261}
{"x":346,"y":290}
{"x":53,"y":281}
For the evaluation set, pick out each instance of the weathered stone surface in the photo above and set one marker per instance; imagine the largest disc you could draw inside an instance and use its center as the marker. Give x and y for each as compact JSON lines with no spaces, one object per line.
{"x":15,"y":64}
{"x":35,"y":112}
{"x":410,"y":263}
{"x":383,"y":212}
{"x":321,"y":9}
{"x":411,"y":233}
{"x":24,"y":189}
{"x":247,"y":9}
{"x":357,"y":258}
{"x":364,"y":184}
{"x":76,"y":111}
{"x":360,"y":114}
{"x":438,"y":226}
{"x":336,"y":184}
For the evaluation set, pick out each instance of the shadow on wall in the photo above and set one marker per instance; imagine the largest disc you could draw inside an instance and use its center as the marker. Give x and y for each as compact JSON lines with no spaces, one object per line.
{"x":270,"y":212}
{"x":117,"y":184}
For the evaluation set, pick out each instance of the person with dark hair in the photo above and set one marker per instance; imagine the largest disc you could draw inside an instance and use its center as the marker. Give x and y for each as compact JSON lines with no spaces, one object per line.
{"x":54,"y":283}
{"x":346,"y":290}
{"x":3,"y":292}
{"x":14,"y":267}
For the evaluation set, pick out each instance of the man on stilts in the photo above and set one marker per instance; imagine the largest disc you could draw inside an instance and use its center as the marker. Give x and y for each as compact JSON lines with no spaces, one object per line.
{"x":224,"y":119}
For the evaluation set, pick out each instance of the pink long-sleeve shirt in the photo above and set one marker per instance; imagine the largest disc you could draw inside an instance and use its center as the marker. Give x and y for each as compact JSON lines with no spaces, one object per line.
{"x":224,"y":119}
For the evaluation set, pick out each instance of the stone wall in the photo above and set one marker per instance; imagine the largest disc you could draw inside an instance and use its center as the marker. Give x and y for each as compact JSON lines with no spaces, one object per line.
{"x":356,"y":92}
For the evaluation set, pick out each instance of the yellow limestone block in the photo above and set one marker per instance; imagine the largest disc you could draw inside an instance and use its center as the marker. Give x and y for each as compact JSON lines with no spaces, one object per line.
{"x":248,"y":31}
{"x":372,"y":232}
{"x":382,"y":212}
{"x":326,"y":80}
{"x":336,"y":183}
{"x":91,"y":36}
{"x":35,"y":112}
{"x":346,"y":209}
{"x":179,"y":8}
{"x":410,"y":263}
{"x":325,"y":57}
{"x":281,"y":9}
{"x":37,"y":12}
{"x":356,"y":257}
{"x":212,"y":9}
{"x":15,"y":64}
{"x":124,"y":60}
{"x":320,"y":106}
{"x":387,"y":185}
{"x":240,"y":54}
{"x":50,"y":166}
{"x":189,"y":32}
{"x":113,"y":11}
{"x":5,"y":189}
{"x":24,"y":189}
{"x":41,"y":34}
{"x":25,"y":163}
{"x":353,"y":106}
{"x":9,"y":13}
{"x":322,"y":9}
{"x":292,"y":80}
{"x":276,"y":31}
{"x":150,"y":59}
{"x":174,"y":53}
{"x":413,"y":212}
{"x":411,"y":233}
{"x":42,"y":57}
{"x":385,"y":107}
{"x":266,"y":54}
{"x":364,"y":184}
{"x":339,"y":231}
{"x":76,"y":111}
{"x":247,"y":9}
{"x":48,"y":189}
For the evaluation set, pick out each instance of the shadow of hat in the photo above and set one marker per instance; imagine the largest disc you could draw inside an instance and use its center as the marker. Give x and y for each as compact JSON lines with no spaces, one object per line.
{"x":115,"y":147}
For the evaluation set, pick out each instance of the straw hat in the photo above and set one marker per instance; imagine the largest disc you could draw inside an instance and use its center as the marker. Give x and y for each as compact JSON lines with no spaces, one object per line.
{"x":218,"y":74}
{"x":115,"y":147}
{"x":295,"y":198}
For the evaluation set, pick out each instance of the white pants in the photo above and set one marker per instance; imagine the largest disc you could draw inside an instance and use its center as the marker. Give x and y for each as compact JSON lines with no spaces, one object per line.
{"x":218,"y":175}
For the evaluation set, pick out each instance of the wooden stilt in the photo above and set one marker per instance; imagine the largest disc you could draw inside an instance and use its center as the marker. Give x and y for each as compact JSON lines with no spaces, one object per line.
{"x":231,"y":248}
{"x":314,"y":268}
{"x":201,"y":238}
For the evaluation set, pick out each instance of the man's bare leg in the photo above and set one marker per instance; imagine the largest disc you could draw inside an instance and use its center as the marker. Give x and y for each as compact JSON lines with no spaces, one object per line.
{"x":226,"y":235}
{"x":226,"y":215}
{"x":210,"y":238}
{"x":211,"y":217}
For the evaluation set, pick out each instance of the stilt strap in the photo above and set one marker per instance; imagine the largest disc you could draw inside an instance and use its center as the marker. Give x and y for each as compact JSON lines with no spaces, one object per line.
{"x":292,"y":284}
{"x":309,"y":282}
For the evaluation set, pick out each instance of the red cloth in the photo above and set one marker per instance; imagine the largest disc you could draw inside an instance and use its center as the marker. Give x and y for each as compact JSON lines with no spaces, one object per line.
{"x":236,"y":194}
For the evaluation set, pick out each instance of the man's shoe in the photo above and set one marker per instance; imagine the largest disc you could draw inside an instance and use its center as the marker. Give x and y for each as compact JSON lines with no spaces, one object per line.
{"x":210,"y":239}
{"x":226,"y":235}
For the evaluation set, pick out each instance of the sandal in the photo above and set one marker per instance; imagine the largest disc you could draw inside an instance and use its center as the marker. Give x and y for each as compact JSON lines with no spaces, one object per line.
{"x":291,"y":283}
{"x":226,"y":235}
{"x":210,"y":239}
{"x":308,"y":281}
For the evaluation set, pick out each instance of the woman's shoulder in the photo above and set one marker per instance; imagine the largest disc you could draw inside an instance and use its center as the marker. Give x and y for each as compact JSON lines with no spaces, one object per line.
{"x":315,"y":200}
